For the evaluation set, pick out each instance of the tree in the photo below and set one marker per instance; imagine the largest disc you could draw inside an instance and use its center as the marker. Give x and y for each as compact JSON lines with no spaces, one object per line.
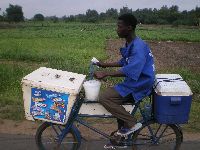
{"x":125,"y":10}
{"x":71,"y":18}
{"x":92,"y":15}
{"x":52,"y":18}
{"x":102,"y":16}
{"x":197,"y":15}
{"x":112,"y":13}
{"x":1,"y":18}
{"x":81,"y":18}
{"x":14,"y":13}
{"x":38,"y":17}
{"x":174,"y":14}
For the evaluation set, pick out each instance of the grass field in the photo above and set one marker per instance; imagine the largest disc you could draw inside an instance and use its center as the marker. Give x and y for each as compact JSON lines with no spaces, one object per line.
{"x":68,"y":46}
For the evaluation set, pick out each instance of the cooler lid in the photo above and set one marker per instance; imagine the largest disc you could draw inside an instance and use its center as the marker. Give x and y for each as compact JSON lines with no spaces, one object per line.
{"x":56,"y":80}
{"x":171,"y":85}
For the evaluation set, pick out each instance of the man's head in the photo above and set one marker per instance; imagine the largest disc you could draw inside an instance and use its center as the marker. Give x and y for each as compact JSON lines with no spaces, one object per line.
{"x":126,"y":25}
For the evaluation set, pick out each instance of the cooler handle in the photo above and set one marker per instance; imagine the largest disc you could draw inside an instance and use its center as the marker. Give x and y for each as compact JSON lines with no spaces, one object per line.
{"x":175,"y":100}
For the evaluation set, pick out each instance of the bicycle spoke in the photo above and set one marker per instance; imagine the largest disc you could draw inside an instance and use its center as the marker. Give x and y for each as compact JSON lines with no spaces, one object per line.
{"x":168,"y":134}
{"x":158,"y":130}
{"x":161,"y":134}
{"x":144,"y":138}
{"x":55,"y":129}
{"x":144,"y":135}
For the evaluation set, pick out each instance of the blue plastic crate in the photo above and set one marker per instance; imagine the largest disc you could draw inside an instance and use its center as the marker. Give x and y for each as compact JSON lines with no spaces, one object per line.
{"x":172,"y":109}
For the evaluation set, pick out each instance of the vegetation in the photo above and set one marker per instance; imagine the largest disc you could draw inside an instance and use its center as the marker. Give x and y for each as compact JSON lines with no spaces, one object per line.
{"x":14,"y":13}
{"x":164,"y":15}
{"x":38,"y":17}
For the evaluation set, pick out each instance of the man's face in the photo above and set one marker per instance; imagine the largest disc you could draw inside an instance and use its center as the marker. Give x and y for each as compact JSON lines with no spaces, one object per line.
{"x":122,"y":29}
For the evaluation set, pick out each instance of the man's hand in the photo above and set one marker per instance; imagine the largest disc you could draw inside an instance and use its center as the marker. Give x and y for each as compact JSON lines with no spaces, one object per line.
{"x":103,"y":74}
{"x":105,"y":64}
{"x":100,"y":74}
{"x":101,"y":64}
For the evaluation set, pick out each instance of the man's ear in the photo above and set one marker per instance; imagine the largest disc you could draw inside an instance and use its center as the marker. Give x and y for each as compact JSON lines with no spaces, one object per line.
{"x":130,"y":28}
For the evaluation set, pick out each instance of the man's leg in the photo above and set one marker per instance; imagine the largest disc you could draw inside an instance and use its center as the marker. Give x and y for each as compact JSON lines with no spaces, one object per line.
{"x":112,"y":102}
{"x":120,"y":123}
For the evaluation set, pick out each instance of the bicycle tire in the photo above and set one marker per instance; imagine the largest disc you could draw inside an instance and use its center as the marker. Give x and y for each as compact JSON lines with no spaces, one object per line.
{"x":46,"y":138}
{"x":143,"y":140}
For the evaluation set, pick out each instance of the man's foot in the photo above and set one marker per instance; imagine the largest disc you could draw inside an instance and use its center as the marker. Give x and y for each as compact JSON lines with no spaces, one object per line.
{"x":125,"y":132}
{"x":111,"y":146}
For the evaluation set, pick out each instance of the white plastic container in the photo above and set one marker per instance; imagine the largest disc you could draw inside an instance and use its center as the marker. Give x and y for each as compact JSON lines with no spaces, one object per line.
{"x":49,"y":94}
{"x":92,"y":88}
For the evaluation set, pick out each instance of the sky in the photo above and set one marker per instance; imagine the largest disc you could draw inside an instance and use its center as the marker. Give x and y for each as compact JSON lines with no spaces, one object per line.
{"x":60,"y":8}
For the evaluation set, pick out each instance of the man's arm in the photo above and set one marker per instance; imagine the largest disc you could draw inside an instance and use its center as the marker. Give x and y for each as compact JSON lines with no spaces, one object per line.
{"x":111,"y":64}
{"x":103,"y":74}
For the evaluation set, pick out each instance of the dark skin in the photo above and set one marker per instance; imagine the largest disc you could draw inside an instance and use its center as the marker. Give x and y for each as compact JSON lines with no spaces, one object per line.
{"x":123,"y":31}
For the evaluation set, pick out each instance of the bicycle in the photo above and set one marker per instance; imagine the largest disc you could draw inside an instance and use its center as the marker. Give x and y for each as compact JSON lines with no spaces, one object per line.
{"x":149,"y":136}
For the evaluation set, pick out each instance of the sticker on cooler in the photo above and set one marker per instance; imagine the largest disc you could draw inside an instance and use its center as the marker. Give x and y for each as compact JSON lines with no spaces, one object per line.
{"x":48,"y":105}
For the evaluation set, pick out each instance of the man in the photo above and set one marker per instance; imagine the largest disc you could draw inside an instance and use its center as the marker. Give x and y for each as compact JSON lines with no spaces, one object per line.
{"x":137,"y":66}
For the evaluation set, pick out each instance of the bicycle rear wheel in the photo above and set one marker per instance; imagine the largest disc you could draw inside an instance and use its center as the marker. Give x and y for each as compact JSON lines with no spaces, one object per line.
{"x":47,"y":138}
{"x":166,"y":137}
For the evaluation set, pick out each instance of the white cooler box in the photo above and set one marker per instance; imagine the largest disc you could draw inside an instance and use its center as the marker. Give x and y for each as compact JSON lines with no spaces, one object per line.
{"x":49,"y":94}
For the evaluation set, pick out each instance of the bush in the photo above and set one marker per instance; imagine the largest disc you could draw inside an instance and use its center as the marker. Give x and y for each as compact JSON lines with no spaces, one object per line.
{"x":162,"y":21}
{"x":1,"y":18}
{"x":38,"y":17}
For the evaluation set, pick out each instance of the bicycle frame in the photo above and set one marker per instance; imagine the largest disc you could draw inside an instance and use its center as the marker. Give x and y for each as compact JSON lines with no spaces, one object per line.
{"x":75,"y":116}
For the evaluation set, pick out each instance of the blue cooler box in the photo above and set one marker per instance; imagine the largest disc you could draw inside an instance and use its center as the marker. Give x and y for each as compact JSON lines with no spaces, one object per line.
{"x":172,"y":99}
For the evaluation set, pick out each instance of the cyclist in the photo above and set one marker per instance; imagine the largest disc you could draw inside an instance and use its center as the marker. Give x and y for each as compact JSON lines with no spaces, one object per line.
{"x":137,"y":66}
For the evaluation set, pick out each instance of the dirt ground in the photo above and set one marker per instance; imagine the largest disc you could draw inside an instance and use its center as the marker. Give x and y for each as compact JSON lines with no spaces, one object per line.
{"x":167,"y":54}
{"x":26,"y":127}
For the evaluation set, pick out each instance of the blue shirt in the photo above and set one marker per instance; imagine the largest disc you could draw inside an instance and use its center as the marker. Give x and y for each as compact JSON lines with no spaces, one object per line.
{"x":138,"y":66}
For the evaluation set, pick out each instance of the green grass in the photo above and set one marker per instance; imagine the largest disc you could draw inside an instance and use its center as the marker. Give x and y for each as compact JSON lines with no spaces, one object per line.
{"x":70,"y":46}
{"x":194,"y":119}
{"x":162,"y":33}
{"x":10,"y":94}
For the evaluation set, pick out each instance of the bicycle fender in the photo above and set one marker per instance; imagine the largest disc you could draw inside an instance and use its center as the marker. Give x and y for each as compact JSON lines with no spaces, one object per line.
{"x":77,"y":132}
{"x":180,"y":130}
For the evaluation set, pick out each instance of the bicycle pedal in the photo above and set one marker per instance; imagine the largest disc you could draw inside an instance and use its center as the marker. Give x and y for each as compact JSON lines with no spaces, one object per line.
{"x":124,"y":136}
{"x":116,"y":147}
{"x":109,"y":147}
{"x":121,"y":147}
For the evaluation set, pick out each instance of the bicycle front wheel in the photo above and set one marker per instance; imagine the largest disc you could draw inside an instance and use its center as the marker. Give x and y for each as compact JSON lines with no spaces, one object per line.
{"x":155,"y":136}
{"x":47,"y":138}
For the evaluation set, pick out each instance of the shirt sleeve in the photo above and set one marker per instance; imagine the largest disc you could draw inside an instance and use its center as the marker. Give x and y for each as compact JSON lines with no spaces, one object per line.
{"x":122,"y":61}
{"x":136,"y":62}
